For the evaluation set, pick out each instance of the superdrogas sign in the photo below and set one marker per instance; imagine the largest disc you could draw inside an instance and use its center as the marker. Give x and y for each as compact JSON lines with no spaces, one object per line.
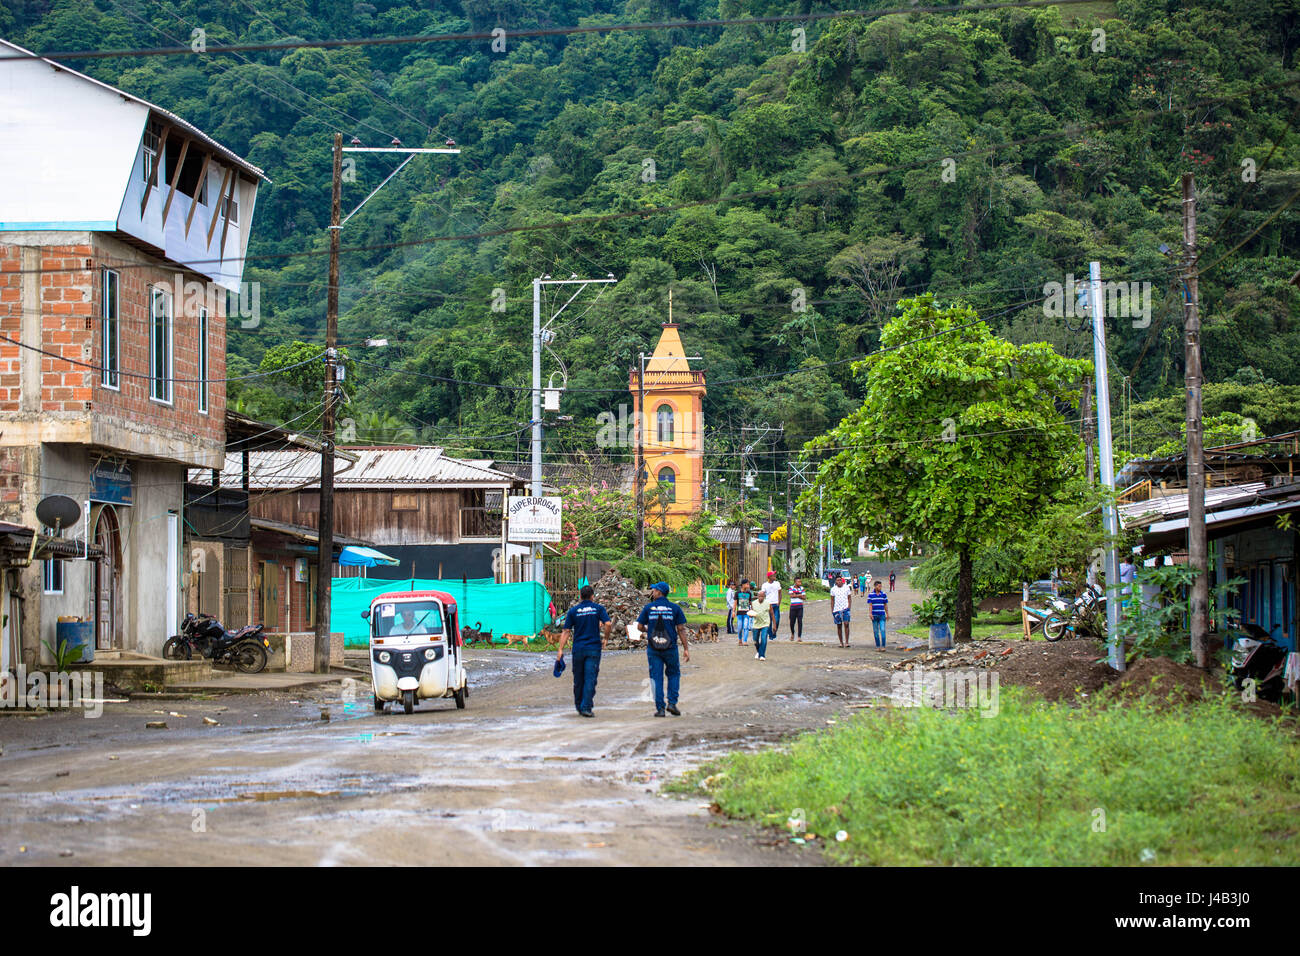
{"x":533,"y":519}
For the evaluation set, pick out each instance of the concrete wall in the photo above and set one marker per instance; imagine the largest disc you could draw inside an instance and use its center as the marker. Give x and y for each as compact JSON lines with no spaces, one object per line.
{"x":159,"y":489}
{"x":64,"y":471}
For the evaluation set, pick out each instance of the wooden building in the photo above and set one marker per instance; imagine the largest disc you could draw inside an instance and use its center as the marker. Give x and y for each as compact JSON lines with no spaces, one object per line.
{"x":441,"y":517}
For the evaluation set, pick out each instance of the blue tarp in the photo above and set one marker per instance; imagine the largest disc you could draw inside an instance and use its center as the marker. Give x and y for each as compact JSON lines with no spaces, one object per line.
{"x":355,"y":556}
{"x":502,"y":608}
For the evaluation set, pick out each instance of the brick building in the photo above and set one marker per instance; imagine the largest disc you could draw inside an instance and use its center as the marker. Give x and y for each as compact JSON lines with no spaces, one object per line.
{"x":116,"y":257}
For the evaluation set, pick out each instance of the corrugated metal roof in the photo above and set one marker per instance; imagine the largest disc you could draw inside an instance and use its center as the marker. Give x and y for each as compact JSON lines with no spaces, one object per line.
{"x":411,"y":466}
{"x":1166,"y":504}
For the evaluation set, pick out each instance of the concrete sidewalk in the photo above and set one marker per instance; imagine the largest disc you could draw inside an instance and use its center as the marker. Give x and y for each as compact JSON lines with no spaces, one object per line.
{"x":228,"y":683}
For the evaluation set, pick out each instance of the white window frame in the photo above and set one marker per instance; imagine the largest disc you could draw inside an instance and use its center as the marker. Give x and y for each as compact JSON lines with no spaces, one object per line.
{"x":160,"y":387}
{"x":231,"y":210}
{"x":48,"y":583}
{"x":150,"y":143}
{"x":110,"y":373}
{"x":203,"y":361}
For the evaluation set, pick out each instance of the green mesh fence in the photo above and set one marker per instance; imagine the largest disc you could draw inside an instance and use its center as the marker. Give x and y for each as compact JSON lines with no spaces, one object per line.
{"x":502,"y":608}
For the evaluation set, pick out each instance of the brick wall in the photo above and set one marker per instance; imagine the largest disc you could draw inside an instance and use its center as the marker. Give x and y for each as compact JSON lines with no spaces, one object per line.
{"x":66,"y":327}
{"x":11,"y":317}
{"x":70,"y":296}
{"x":131,"y":399}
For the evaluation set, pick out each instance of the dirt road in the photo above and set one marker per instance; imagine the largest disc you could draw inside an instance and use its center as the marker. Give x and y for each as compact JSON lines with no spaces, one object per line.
{"x":516,"y":778}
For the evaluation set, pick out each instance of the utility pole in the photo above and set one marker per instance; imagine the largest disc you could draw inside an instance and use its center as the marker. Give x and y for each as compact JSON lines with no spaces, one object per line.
{"x":325,"y":531}
{"x":1106,"y":456}
{"x":325,"y":555}
{"x":1197,"y":546}
{"x":1089,"y":433}
{"x":542,"y":336}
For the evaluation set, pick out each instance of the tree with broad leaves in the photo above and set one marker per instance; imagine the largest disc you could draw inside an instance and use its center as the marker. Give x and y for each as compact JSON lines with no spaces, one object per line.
{"x":961,"y":441}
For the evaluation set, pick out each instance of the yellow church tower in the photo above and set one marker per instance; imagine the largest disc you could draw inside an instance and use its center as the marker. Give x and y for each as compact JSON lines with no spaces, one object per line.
{"x":672,"y":440}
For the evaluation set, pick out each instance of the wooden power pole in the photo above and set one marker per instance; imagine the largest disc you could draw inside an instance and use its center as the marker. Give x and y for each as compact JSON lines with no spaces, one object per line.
{"x":325,"y":558}
{"x":1197,"y":547}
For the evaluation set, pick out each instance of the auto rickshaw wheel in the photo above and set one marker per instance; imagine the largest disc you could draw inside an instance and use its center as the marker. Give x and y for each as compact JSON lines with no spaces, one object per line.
{"x":460,"y":695}
{"x":379,"y":706}
{"x":408,"y":701}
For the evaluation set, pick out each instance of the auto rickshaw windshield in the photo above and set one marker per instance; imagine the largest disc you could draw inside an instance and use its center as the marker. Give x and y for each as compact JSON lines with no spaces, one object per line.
{"x":408,"y":617}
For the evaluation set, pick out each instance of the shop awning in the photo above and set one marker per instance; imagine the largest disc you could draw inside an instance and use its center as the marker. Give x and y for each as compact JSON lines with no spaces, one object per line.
{"x":359,"y":557}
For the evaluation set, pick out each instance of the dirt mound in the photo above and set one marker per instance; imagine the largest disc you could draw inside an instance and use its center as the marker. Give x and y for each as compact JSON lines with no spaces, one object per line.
{"x":1061,"y":671}
{"x":1066,"y":670}
{"x":1166,"y":679}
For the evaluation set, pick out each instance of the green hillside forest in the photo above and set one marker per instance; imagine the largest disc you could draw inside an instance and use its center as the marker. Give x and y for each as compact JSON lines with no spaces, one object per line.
{"x":788,"y":181}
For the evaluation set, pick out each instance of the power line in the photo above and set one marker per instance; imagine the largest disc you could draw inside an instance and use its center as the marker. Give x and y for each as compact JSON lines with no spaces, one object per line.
{"x":503,"y":34}
{"x":167,"y":378}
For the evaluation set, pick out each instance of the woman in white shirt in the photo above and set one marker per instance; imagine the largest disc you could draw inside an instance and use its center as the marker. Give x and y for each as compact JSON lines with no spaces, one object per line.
{"x":731,"y":607}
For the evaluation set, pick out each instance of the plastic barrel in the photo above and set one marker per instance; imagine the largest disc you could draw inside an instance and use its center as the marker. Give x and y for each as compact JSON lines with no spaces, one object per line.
{"x":77,"y":634}
{"x":940,"y":637}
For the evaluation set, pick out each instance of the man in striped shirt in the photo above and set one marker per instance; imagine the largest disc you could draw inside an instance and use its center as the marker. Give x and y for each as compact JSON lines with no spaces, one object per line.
{"x":879,"y":602}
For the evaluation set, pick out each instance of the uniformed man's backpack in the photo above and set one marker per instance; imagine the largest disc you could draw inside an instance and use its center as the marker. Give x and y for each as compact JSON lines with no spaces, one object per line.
{"x":659,"y":637}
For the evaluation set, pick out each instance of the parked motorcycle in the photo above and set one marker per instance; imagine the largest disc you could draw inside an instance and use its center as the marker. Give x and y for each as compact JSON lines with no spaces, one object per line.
{"x":1259,"y":658}
{"x":1085,"y":616}
{"x":246,"y":649}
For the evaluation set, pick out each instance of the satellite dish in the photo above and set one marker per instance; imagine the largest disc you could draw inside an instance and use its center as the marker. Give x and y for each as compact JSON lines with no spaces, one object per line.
{"x":58,"y":511}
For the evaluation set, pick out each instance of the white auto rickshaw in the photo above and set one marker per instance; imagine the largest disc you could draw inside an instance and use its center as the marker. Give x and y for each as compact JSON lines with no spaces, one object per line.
{"x":415,"y":648}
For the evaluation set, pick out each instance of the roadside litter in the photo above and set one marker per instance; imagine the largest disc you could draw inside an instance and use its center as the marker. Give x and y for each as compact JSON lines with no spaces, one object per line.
{"x":974,"y":654}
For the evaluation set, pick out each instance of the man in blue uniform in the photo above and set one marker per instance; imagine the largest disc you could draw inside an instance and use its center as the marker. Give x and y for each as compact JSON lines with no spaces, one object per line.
{"x":659,"y":620}
{"x":589,"y":624}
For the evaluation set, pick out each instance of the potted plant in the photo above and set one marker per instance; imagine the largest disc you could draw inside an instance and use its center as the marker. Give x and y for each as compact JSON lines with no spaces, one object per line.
{"x":65,"y":656}
{"x":934,"y":612}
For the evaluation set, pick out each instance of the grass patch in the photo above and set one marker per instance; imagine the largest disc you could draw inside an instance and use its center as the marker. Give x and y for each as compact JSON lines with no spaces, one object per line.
{"x":1199,"y":785}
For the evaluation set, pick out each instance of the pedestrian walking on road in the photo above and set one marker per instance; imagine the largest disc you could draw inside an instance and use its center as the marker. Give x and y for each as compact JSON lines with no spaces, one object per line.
{"x":879,"y":602}
{"x":798,"y":594}
{"x":841,"y":604}
{"x":762,"y":625}
{"x":660,"y":620}
{"x":892,"y":578}
{"x":588,"y":624}
{"x":772,"y":594}
{"x":744,"y":598}
{"x":731,"y":607}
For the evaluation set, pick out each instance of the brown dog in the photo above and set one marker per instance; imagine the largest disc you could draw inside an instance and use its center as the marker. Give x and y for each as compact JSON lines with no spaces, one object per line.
{"x":511,"y":638}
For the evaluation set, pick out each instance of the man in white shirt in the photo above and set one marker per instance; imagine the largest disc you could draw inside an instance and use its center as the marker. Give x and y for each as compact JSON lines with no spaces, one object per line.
{"x":841,"y":604}
{"x":772,"y":593}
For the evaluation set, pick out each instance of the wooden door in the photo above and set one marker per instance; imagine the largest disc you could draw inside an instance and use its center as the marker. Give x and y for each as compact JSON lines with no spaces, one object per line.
{"x":235,"y":587}
{"x":108,"y":582}
{"x":270,"y":595}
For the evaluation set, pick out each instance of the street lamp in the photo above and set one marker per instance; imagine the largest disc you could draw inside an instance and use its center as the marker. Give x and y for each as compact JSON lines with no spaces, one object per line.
{"x":543,"y":336}
{"x":321,"y":652}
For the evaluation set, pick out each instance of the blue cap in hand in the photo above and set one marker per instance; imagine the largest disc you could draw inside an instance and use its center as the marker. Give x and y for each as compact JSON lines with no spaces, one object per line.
{"x":559,"y":667}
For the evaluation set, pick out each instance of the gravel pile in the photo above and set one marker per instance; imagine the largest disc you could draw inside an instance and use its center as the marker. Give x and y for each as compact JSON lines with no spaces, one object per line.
{"x":973,"y":654}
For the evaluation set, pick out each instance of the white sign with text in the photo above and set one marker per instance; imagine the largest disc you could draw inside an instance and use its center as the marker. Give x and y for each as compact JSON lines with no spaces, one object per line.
{"x":533,"y":519}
